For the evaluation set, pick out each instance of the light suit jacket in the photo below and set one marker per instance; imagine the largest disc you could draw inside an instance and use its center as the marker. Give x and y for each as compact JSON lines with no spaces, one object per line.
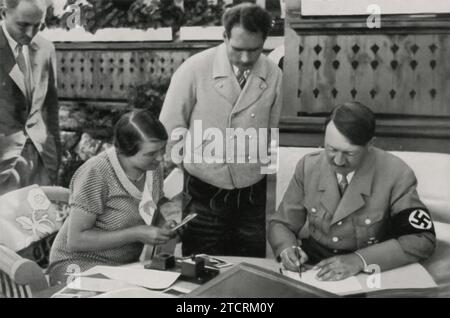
{"x":41,"y":124}
{"x":205,"y":90}
{"x":380,"y":214}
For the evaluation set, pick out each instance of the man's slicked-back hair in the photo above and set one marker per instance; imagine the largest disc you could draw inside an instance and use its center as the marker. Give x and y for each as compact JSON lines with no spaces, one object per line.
{"x":355,"y":121}
{"x":134,"y":128}
{"x":250,"y":16}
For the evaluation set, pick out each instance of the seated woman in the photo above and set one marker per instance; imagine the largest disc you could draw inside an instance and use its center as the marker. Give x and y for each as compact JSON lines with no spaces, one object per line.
{"x":104,"y":226}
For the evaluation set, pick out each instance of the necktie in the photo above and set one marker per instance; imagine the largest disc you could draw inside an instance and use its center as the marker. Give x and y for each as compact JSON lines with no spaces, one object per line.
{"x":26,"y":74}
{"x":241,"y":77}
{"x":343,"y":184}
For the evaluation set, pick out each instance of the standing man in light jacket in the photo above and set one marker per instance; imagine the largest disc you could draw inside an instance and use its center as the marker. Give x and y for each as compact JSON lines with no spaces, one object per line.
{"x":213,"y":94}
{"x":29,"y":125}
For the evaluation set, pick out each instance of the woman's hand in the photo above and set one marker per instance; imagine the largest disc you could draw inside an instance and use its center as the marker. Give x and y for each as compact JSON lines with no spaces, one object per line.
{"x":170,"y":225}
{"x":154,"y":235}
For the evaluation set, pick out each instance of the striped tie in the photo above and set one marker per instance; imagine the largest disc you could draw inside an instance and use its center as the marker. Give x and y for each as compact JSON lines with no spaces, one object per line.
{"x":21,"y":62}
{"x":242,"y":77}
{"x":343,"y":184}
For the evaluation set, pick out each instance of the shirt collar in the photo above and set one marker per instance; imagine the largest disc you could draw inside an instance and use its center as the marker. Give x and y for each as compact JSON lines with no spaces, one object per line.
{"x":12,"y":43}
{"x":121,"y":175}
{"x":349,"y":176}
{"x":236,"y":71}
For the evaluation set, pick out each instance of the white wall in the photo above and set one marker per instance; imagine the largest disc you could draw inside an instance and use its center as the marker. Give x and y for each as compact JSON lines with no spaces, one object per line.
{"x":360,"y":7}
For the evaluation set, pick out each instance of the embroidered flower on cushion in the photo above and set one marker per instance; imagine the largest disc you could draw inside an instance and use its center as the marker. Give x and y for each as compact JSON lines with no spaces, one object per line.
{"x":40,"y":226}
{"x":39,"y":222}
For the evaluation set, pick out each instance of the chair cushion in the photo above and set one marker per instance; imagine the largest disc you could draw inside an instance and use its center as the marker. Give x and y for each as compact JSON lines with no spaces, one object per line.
{"x":10,"y":289}
{"x":27,"y":216}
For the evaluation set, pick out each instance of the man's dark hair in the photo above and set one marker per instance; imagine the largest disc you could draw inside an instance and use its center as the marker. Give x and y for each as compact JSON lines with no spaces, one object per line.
{"x":132,"y":128}
{"x":355,"y":121}
{"x":250,"y":16}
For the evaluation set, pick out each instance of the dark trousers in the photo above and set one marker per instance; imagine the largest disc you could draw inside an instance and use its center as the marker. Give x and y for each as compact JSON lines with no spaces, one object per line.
{"x":229,"y":222}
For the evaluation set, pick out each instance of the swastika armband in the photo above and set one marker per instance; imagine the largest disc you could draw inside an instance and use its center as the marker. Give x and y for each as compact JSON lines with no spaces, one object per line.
{"x":412,"y":221}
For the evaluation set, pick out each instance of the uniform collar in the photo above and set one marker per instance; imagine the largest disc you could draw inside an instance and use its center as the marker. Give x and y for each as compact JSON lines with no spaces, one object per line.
{"x":223,"y":68}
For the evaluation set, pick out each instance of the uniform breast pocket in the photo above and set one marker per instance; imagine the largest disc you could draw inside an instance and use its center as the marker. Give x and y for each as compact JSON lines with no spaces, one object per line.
{"x":370,"y":229}
{"x":316,"y":219}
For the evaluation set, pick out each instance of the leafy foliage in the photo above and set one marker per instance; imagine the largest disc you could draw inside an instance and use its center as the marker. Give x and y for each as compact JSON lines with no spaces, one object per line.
{"x":141,"y":14}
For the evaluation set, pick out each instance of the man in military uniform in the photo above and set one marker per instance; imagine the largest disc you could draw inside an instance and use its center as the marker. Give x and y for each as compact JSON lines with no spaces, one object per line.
{"x":361,"y":203}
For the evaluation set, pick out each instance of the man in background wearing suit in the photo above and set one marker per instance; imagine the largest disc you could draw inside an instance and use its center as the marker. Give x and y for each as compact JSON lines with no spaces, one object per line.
{"x":361,"y":203}
{"x":29,"y":125}
{"x":226,"y":87}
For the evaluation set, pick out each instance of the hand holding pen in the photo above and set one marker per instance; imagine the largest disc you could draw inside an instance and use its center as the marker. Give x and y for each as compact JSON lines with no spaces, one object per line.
{"x":298,"y":262}
{"x":294,"y":258}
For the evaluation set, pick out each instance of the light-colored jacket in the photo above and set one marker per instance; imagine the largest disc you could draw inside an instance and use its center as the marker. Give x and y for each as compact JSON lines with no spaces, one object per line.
{"x":204,"y":91}
{"x":41,"y":124}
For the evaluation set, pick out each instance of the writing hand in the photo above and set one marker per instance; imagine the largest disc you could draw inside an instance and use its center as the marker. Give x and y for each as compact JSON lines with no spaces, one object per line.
{"x":293,"y":258}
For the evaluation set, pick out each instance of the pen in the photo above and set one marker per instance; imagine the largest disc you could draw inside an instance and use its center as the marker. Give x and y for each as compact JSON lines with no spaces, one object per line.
{"x":297,"y":253}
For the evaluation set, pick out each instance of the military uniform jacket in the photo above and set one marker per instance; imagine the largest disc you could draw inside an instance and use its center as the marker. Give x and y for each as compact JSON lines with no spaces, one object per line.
{"x":380,"y":214}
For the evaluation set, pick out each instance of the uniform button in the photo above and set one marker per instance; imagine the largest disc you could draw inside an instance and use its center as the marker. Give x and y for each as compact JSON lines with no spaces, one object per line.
{"x":368,"y":221}
{"x":313,"y":210}
{"x":253,"y":115}
{"x":335,"y":239}
{"x":335,"y":251}
{"x":339,"y":223}
{"x":249,"y":158}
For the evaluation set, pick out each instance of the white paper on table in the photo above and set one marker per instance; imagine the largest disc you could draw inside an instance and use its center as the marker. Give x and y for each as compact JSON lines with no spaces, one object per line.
{"x":173,"y":184}
{"x":342,"y":287}
{"x":147,"y":278}
{"x":135,"y":292}
{"x":101,"y":285}
{"x":409,"y":276}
